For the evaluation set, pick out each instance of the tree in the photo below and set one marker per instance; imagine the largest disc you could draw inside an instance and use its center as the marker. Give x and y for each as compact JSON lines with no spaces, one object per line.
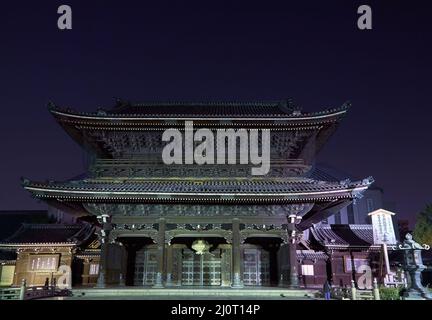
{"x":423,"y":228}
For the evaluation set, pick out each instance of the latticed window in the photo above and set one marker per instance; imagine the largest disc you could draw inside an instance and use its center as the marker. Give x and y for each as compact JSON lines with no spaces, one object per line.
{"x":43,"y":262}
{"x":145,"y":267}
{"x":201,"y":270}
{"x":94,"y":269}
{"x":307,"y":270}
{"x":256,"y":267}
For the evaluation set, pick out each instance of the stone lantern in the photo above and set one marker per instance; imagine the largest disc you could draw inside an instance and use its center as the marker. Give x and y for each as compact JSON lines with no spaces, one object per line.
{"x":413,"y":265}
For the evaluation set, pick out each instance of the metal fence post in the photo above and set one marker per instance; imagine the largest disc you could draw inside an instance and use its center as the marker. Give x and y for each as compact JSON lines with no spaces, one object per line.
{"x":23,"y":289}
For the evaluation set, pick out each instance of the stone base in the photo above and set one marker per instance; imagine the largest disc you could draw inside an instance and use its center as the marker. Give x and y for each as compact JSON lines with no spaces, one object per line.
{"x":100,"y":281}
{"x":237,"y":282}
{"x":158,"y":286}
{"x":159,"y":283}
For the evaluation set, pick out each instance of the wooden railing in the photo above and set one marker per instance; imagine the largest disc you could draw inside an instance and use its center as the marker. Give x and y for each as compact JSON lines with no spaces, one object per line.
{"x":357,"y":294}
{"x":33,"y":292}
{"x":10,"y":294}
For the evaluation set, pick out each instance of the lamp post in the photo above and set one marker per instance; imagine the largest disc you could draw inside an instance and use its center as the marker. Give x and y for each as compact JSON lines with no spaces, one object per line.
{"x":293,"y":238}
{"x":105,"y":221}
{"x":413,"y":265}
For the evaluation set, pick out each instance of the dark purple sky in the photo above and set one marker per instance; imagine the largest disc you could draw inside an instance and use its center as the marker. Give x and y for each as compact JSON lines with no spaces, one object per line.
{"x":217,"y":50}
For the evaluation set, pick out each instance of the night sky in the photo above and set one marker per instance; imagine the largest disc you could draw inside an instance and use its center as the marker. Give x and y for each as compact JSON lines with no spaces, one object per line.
{"x":222,"y":50}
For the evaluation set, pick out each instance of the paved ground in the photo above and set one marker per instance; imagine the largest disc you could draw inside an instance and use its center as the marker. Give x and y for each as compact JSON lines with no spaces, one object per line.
{"x":181,"y":298}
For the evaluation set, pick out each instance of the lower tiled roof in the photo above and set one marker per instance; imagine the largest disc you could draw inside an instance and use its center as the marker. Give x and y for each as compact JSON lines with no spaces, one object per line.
{"x":10,"y":221}
{"x":311,"y":255}
{"x":7,"y":256}
{"x":49,"y":234}
{"x":343,"y":235}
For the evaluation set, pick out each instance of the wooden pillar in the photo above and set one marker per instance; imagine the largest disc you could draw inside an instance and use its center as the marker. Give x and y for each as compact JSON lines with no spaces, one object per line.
{"x":105,"y":221}
{"x":86,"y":273}
{"x":160,"y":255}
{"x":169,"y":265}
{"x":330,"y":268}
{"x":237,"y":277}
{"x":123,"y":264}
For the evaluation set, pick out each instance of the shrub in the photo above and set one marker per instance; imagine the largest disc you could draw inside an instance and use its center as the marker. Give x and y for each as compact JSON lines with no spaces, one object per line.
{"x":340,"y":293}
{"x":389,"y":293}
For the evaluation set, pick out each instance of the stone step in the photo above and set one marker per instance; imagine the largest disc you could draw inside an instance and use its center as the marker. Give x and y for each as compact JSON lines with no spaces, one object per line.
{"x":365,"y":295}
{"x":190,"y":292}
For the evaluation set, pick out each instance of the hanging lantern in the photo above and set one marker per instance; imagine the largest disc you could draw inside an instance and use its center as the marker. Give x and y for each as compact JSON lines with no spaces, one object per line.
{"x":200,"y":246}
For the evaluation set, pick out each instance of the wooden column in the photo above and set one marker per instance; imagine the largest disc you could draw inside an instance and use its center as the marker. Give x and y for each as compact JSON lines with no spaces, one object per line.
{"x":169,"y":265}
{"x":85,"y":273}
{"x":105,"y":221}
{"x":160,"y":255}
{"x":237,"y":277}
{"x":123,"y":264}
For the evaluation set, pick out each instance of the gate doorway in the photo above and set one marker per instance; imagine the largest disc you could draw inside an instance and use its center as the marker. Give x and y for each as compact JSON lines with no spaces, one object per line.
{"x":256,"y":270}
{"x":201,"y":270}
{"x":260,"y":264}
{"x":145,"y":266}
{"x":210,"y":268}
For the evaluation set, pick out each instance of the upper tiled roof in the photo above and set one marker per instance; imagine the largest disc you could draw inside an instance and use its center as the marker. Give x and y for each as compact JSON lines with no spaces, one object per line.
{"x":50,"y":234}
{"x":203,"y":108}
{"x":343,"y":235}
{"x":106,"y":131}
{"x":271,"y":109}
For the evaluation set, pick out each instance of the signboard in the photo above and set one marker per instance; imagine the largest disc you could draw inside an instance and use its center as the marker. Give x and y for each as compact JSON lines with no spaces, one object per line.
{"x":382,"y":226}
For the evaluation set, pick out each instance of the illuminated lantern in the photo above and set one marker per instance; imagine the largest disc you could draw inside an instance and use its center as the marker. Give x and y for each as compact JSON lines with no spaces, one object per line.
{"x":200,"y":246}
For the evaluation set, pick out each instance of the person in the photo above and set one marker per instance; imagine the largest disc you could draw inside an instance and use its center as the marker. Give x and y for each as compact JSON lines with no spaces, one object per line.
{"x":327,"y":290}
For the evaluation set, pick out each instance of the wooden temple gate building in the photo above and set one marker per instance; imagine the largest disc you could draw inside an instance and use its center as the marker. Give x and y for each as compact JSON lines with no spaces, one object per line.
{"x":207,"y":225}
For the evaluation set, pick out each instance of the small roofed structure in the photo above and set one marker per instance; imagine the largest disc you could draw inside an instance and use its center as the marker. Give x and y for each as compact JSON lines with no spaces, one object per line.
{"x":42,"y":250}
{"x":343,"y":236}
{"x":348,"y":247}
{"x":312,"y":268}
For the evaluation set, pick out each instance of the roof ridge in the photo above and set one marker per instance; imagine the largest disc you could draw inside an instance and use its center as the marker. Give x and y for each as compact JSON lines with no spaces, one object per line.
{"x":207,"y":103}
{"x":284,"y":106}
